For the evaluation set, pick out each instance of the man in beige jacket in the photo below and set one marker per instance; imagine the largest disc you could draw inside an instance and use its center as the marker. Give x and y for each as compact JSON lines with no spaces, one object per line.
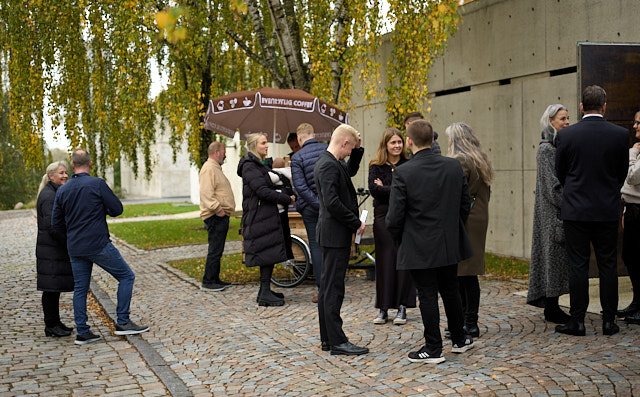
{"x":216,"y":204}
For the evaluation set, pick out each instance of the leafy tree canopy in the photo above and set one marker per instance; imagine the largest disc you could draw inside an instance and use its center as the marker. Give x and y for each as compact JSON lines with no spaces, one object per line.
{"x":93,"y":63}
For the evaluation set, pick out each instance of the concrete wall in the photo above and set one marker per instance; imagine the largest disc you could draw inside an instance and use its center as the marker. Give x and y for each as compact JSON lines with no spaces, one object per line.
{"x":504,"y":51}
{"x":169,"y":178}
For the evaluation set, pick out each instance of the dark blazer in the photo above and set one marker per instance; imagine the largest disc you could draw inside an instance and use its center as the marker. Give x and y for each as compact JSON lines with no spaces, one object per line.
{"x":428,"y":207}
{"x":338,"y":218}
{"x":591,"y":164}
{"x":263,"y":239}
{"x":53,"y":265}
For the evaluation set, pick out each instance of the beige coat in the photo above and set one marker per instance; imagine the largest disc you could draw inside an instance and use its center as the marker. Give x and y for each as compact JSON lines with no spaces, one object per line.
{"x":477,"y":222}
{"x":215,"y":190}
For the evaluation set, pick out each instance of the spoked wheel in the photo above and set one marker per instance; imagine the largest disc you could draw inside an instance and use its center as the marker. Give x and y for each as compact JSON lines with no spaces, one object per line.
{"x":291,"y":273}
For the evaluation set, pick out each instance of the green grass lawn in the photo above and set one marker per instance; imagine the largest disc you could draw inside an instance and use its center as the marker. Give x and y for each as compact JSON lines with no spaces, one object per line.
{"x":505,"y":268}
{"x":165,"y":233}
{"x":231,"y":269}
{"x":133,"y":210}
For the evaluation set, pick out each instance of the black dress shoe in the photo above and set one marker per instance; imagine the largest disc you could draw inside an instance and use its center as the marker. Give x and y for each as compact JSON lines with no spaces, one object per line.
{"x":633,"y":318}
{"x":326,"y":347}
{"x":348,"y":349}
{"x":471,"y":330}
{"x":629,"y":310}
{"x":574,"y":328}
{"x":610,"y":328}
{"x":56,"y":331}
{"x":556,"y":315}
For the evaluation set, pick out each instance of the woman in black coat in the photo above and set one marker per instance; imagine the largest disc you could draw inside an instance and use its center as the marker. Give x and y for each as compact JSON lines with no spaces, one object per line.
{"x":53,"y":265}
{"x":263,"y":239}
{"x":394,"y":288}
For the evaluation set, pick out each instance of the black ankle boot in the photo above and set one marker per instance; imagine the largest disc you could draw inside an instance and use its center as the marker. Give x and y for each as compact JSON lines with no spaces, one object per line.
{"x":266,"y":297}
{"x":629,"y":310}
{"x":471,"y":330}
{"x":554,"y":314}
{"x":64,"y":327}
{"x":56,"y":331}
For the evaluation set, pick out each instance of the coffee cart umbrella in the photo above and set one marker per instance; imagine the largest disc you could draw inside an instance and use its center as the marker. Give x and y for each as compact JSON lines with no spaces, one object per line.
{"x":272,"y":111}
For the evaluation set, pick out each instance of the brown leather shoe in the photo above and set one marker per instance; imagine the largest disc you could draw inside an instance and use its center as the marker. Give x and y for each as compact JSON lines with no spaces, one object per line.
{"x":315,"y":299}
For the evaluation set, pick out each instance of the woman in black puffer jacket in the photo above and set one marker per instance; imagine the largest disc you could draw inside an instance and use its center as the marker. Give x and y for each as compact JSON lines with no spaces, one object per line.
{"x":262,"y":233}
{"x":53,"y":265}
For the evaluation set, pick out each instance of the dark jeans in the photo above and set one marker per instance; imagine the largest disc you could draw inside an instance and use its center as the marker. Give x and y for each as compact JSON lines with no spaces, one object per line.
{"x":630,"y":240}
{"x":310,"y":219}
{"x":51,"y":308}
{"x":112,"y":262}
{"x":604,"y":238}
{"x":331,"y":295}
{"x":428,"y":283}
{"x":217,"y":227}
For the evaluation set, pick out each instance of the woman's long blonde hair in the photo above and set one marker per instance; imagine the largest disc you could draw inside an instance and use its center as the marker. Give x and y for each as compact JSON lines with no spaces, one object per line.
{"x":51,"y":169}
{"x":383,"y":156}
{"x":252,"y":144}
{"x":463,"y":143}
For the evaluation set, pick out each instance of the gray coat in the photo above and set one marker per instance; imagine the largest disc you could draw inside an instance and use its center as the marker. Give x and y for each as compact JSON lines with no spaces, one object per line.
{"x":549,"y":269}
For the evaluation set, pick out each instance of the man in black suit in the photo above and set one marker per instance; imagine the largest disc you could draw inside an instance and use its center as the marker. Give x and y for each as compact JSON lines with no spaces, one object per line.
{"x":428,"y":206}
{"x":591,"y":164}
{"x":338,"y":220}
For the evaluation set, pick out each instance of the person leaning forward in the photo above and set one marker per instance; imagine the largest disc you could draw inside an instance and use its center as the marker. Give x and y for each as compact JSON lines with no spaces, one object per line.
{"x":428,"y":206}
{"x":80,"y":210}
{"x":216,"y":204}
{"x":338,"y":220}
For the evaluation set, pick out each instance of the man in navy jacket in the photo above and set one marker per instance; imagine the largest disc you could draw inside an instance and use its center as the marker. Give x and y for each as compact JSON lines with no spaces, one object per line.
{"x":591,"y":164}
{"x":80,"y":210}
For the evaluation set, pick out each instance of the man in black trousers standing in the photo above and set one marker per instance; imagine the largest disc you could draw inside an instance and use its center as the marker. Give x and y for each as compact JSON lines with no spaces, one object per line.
{"x":591,"y":164}
{"x":338,"y":220}
{"x":428,"y":207}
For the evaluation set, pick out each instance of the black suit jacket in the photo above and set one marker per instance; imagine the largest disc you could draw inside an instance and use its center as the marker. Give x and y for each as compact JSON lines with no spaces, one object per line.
{"x":592,"y":164}
{"x":428,"y":207}
{"x":338,"y":219}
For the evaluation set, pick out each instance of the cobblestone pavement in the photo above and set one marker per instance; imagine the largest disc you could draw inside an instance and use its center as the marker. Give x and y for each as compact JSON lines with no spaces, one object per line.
{"x":224,"y":344}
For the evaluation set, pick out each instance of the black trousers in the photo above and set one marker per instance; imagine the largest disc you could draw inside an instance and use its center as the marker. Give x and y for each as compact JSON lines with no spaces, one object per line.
{"x":217,"y":227}
{"x":630,"y":241}
{"x":445,"y":281}
{"x":604,"y":238}
{"x":331,"y":294}
{"x":51,"y":308}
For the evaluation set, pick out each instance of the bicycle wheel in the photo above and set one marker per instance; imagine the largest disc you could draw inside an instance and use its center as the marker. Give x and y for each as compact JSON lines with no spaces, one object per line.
{"x":291,"y":273}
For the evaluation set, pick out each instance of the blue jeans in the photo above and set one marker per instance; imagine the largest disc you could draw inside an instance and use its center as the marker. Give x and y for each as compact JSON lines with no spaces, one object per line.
{"x":310,"y":219}
{"x":111,"y":261}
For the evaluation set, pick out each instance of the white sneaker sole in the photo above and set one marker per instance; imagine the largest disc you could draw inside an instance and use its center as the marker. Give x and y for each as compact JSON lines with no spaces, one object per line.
{"x":86,"y":342}
{"x":131,"y":331}
{"x":213,"y":289}
{"x":399,"y":321}
{"x":461,"y":349}
{"x":435,"y":360}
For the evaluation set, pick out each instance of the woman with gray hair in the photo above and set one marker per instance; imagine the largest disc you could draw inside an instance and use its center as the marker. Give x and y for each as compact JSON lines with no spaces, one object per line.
{"x":465,"y":147}
{"x":54,"y":274}
{"x":549,"y":269}
{"x":262,"y":233}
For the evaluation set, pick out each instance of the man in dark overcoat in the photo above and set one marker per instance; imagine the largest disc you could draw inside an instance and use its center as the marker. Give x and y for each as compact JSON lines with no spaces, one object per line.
{"x":591,"y":164}
{"x":338,"y":220}
{"x":428,"y":207}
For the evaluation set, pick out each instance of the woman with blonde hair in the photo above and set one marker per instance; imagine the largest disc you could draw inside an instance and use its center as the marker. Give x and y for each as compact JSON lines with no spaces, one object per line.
{"x":262,"y":231}
{"x":394,"y":288}
{"x":549,"y":268}
{"x":464,"y":146}
{"x":54,"y":274}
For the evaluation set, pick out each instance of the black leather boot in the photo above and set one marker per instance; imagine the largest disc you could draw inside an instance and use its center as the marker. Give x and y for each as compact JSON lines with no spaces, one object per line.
{"x":266,"y":297}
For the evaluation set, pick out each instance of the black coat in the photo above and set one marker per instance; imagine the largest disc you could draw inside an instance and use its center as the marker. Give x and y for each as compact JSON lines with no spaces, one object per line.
{"x":338,"y":219}
{"x":428,"y":207}
{"x":261,"y":228}
{"x":53,"y":265}
{"x":592,"y":160}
